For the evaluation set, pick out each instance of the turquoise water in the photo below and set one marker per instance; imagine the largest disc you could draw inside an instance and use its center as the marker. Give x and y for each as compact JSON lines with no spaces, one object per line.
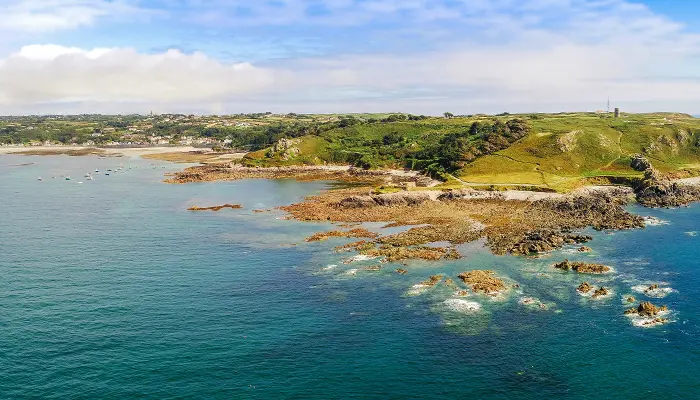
{"x":110,"y":289}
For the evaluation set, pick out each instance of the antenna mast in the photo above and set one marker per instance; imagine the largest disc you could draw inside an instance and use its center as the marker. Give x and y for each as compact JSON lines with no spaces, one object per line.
{"x":608,"y":104}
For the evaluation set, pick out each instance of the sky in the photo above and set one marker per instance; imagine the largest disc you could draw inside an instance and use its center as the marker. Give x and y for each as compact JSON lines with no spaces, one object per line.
{"x":343,"y":56}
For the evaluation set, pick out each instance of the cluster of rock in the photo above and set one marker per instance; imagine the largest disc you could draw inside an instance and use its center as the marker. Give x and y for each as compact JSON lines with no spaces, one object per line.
{"x":546,"y":241}
{"x":216,"y":208}
{"x":650,"y":314}
{"x":582,"y":268}
{"x":399,"y":253}
{"x":388,"y":199}
{"x":647,"y":309}
{"x":483,"y":281}
{"x":586,"y":288}
{"x":353,"y":233}
{"x":656,"y":190}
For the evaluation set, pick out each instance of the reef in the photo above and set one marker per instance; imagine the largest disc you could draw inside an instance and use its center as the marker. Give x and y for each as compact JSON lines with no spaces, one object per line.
{"x":216,"y":208}
{"x":582,"y":268}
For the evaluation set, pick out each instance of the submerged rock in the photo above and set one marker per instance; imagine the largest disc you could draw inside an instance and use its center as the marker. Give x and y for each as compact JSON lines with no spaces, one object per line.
{"x":585,"y":249}
{"x":401,"y":271}
{"x":215,"y":208}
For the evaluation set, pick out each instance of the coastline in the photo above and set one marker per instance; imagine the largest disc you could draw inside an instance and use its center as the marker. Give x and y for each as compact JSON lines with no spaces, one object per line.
{"x":86,"y":150}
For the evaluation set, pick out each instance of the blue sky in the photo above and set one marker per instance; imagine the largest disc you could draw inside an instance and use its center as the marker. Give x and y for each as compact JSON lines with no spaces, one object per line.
{"x":422,"y":56}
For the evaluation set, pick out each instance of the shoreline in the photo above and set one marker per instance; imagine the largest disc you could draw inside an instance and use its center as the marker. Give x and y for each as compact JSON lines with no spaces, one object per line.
{"x":92,"y":150}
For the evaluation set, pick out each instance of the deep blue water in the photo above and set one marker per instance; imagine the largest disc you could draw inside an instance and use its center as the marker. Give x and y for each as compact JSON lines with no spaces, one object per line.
{"x":110,"y":289}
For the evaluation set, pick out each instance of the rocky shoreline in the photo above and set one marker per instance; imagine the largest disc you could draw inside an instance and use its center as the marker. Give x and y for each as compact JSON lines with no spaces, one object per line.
{"x":517,"y":227}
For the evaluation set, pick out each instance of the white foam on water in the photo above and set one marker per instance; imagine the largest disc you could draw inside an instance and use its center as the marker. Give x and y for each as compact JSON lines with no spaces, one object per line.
{"x":532,"y":302}
{"x":653,"y":221}
{"x":417,"y":289}
{"x":351,"y":272}
{"x":692,"y":233}
{"x":658,"y":293}
{"x":648,"y":322}
{"x":459,"y":305}
{"x":329,"y":267}
{"x":360,"y":257}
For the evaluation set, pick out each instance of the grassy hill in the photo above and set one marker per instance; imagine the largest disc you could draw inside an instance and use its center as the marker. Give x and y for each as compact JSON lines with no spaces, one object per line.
{"x":565,"y":151}
{"x":552,"y":151}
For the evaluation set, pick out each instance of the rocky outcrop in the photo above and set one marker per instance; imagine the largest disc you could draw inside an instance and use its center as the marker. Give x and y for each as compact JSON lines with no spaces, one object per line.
{"x":584,"y":288}
{"x":483,"y":281}
{"x":216,"y":208}
{"x":584,"y":249}
{"x":657,"y":190}
{"x":387,"y":200}
{"x":582,"y":268}
{"x":353,"y":233}
{"x":601,"y":292}
{"x":401,"y":271}
{"x":647,"y":309}
{"x":399,"y":253}
{"x":545,"y":241}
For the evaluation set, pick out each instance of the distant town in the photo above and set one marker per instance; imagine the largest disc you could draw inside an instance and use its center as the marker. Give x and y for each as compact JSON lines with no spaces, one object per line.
{"x":140,"y":130}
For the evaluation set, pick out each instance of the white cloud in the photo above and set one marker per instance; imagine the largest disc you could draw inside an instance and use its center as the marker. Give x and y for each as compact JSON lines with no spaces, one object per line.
{"x":52,"y":15}
{"x":518,"y":63}
{"x":40,"y":74}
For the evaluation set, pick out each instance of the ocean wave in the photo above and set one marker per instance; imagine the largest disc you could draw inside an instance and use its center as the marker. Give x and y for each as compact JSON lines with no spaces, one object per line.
{"x":692,"y":233}
{"x":459,"y":305}
{"x":351,"y":271}
{"x":329,"y":267}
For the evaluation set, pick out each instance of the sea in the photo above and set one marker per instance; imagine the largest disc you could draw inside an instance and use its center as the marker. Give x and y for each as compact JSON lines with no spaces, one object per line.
{"x":111,"y":289}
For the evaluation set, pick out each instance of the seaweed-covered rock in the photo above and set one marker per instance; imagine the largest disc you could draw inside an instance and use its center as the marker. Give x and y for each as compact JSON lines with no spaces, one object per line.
{"x":647,"y":309}
{"x":482,"y":281}
{"x":585,"y":287}
{"x":582,"y":268}
{"x":601,"y":292}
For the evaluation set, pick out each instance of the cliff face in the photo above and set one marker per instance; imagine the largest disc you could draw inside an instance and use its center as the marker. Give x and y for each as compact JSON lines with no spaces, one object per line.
{"x":659,"y":191}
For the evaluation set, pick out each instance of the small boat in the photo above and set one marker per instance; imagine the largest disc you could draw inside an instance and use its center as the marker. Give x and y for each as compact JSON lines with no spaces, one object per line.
{"x":40,"y":178}
{"x":80,"y":182}
{"x":89,"y":178}
{"x":97,"y":170}
{"x":106,"y":173}
{"x":87,"y":175}
{"x":68,"y":178}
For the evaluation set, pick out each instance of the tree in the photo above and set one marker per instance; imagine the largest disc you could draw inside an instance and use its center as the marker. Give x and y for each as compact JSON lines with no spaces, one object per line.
{"x":448,"y":115}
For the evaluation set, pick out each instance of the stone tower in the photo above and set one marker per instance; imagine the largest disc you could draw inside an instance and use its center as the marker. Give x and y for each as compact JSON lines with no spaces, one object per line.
{"x":617,"y":112}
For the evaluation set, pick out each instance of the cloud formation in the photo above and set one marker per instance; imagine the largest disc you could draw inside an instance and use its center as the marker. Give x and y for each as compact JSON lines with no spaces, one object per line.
{"x":502,"y":55}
